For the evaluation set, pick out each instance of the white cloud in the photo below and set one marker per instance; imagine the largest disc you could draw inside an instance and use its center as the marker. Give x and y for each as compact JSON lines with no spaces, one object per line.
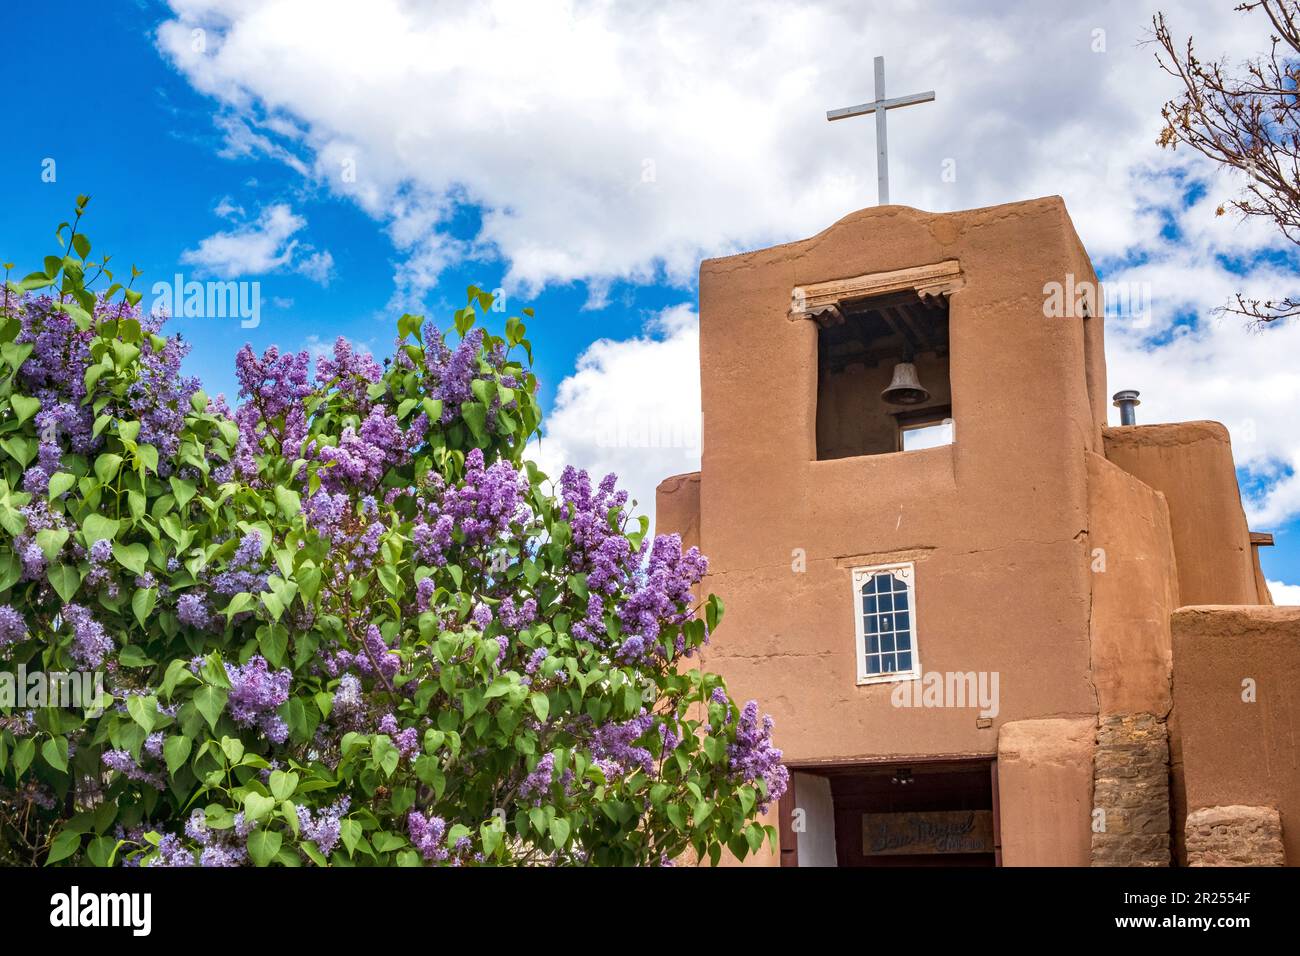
{"x":632,"y":407}
{"x":258,"y":247}
{"x":607,"y":142}
{"x":616,"y":141}
{"x":1284,"y":593}
{"x":317,"y":266}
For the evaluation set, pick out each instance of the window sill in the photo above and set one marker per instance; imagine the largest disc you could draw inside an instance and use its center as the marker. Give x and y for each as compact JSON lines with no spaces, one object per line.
{"x":894,"y":678}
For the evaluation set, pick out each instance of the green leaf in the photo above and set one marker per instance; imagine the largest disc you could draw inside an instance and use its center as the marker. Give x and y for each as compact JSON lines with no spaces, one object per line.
{"x":560,"y":831}
{"x":183,"y":490}
{"x":142,"y":603}
{"x":24,"y":407}
{"x":541,"y":706}
{"x":143,"y":710}
{"x":51,"y":542}
{"x":263,"y":845}
{"x":96,"y":527}
{"x":283,"y":784}
{"x":106,"y":467}
{"x":289,"y":501}
{"x":176,"y":750}
{"x":60,"y":482}
{"x":24,"y":753}
{"x":257,"y":806}
{"x":65,"y":581}
{"x":350,"y":832}
{"x":55,"y":752}
{"x":147,"y":457}
{"x":133,"y":557}
{"x":475,"y":415}
{"x":65,"y":844}
{"x":210,"y":701}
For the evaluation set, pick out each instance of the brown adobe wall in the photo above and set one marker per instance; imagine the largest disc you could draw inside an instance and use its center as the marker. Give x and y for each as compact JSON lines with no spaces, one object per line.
{"x":1134,"y":590}
{"x":994,"y":523}
{"x":1236,"y":752}
{"x":1191,"y":464}
{"x":1045,"y":789}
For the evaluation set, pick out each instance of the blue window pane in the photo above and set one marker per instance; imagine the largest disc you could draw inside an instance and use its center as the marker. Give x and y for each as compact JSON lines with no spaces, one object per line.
{"x":900,"y":601}
{"x":868,"y":604}
{"x":902,"y":620}
{"x":887,"y":663}
{"x":904,"y":640}
{"x":886,"y":622}
{"x":905,"y":661}
{"x":883,"y":583}
{"x":870,"y":624}
{"x":885,"y":602}
{"x":887,"y":641}
{"x":873,"y":664}
{"x":873,"y":644}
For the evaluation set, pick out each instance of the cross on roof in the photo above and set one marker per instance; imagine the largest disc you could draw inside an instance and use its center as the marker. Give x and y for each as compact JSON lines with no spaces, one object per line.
{"x":879,"y":106}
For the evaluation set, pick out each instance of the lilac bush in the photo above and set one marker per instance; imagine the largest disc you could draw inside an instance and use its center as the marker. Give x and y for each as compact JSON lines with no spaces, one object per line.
{"x":346,"y":622}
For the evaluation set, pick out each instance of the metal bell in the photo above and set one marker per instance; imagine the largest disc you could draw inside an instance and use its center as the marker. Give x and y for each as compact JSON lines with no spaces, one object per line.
{"x":906,"y":387}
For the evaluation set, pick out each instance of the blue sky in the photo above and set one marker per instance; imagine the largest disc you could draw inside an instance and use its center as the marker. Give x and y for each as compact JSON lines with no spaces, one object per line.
{"x":585,"y":156}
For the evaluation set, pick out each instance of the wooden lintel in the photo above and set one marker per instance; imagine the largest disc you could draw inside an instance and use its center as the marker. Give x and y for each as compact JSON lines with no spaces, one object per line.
{"x":939,"y":279}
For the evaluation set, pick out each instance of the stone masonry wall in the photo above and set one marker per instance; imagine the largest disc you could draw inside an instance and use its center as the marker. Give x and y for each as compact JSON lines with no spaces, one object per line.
{"x":1131,"y":791}
{"x":1235,"y":836}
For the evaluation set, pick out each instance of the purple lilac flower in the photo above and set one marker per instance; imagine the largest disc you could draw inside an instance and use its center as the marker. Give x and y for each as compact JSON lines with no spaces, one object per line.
{"x":323,"y":828}
{"x":427,"y":834}
{"x":424,"y":593}
{"x":255,"y":693}
{"x":535,"y":660}
{"x":615,"y":742}
{"x":245,"y":569}
{"x":192,"y":610}
{"x":752,"y":757}
{"x":538,"y":783}
{"x":124,"y":763}
{"x":13,"y":629}
{"x":274,"y":412}
{"x":172,"y":852}
{"x":90,"y":645}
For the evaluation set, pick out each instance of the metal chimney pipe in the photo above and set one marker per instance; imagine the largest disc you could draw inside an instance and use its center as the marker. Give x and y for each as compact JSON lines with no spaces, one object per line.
{"x":1126,"y":401}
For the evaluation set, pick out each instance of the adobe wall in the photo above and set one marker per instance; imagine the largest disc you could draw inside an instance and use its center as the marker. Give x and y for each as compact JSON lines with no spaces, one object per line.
{"x":1045,"y":789}
{"x":1191,"y":464}
{"x":677,"y":508}
{"x":1239,"y":753}
{"x":996,"y":523}
{"x":1134,"y":590}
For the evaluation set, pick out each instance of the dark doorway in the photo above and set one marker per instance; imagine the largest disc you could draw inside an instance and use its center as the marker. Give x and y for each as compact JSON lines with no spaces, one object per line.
{"x":916,"y":814}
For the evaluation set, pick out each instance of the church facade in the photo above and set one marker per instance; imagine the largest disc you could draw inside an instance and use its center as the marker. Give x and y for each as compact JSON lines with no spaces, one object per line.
{"x":992,"y":629}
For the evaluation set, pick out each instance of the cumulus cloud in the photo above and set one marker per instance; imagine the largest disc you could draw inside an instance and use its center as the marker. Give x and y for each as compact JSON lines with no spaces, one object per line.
{"x":632,"y":407}
{"x":603,"y":143}
{"x":1284,"y":593}
{"x":606,"y":141}
{"x":258,"y":247}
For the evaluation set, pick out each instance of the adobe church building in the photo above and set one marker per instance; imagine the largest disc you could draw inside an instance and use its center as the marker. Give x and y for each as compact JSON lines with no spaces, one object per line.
{"x":991,"y":628}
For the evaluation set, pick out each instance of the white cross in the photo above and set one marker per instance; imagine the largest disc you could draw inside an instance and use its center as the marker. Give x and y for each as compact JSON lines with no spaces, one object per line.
{"x":878,"y":106}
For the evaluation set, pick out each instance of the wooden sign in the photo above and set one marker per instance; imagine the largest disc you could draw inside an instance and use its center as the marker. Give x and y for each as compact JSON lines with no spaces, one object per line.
{"x":939,"y":831}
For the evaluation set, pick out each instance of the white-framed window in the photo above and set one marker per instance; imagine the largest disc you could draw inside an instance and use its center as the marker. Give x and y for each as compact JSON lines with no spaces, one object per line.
{"x":884,"y":605}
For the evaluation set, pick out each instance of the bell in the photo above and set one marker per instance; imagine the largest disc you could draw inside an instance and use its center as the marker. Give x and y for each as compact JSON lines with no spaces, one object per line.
{"x":906,"y":388}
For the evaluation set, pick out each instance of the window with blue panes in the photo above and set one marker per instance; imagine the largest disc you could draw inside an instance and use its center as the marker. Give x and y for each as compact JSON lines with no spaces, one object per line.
{"x":886,"y":605}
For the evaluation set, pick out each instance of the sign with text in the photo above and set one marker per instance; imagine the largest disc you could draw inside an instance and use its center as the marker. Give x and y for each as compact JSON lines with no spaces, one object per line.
{"x":939,"y":831}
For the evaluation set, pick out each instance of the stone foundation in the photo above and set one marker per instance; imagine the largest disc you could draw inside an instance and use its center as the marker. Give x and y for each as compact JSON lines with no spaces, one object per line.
{"x":1235,"y":836}
{"x":1130,"y":825}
